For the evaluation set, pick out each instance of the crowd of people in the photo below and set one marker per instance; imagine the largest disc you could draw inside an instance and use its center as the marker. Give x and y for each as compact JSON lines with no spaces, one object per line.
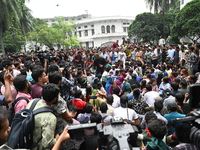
{"x":146,"y":85}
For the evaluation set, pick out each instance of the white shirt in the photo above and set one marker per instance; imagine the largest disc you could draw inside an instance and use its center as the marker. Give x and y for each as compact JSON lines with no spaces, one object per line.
{"x":122,"y":56}
{"x":116,"y":101}
{"x":181,"y":55}
{"x":122,"y":112}
{"x":149,"y":97}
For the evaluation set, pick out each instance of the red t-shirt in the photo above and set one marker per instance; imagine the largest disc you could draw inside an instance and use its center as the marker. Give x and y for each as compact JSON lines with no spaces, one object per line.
{"x":79,"y":103}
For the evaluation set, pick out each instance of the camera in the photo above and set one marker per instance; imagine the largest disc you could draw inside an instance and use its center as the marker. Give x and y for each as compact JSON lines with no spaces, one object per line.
{"x":188,"y":128}
{"x":117,"y":136}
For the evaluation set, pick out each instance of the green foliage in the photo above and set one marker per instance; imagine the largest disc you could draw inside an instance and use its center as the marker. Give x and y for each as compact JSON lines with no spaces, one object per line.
{"x":59,"y":34}
{"x":187,"y":21}
{"x":149,"y":27}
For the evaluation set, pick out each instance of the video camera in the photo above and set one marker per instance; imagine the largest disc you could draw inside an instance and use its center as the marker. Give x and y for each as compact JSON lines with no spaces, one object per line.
{"x":188,"y":128}
{"x":119,"y":135}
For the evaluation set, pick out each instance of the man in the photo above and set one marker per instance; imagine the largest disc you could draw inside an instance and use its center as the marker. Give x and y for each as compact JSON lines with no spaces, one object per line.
{"x":7,"y":65}
{"x":78,"y":59}
{"x":16,"y":70}
{"x":116,"y":99}
{"x":176,"y":55}
{"x":123,"y":109}
{"x":191,"y":60}
{"x":115,"y":44}
{"x":40,"y":78}
{"x":99,"y":64}
{"x":22,"y":86}
{"x":77,"y":101}
{"x":171,"y":52}
{"x":45,"y":123}
{"x":161,"y":41}
{"x":150,"y":95}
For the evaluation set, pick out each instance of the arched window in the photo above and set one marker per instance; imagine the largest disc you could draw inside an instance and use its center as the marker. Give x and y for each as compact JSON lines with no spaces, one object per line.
{"x":102,"y":29}
{"x":108,"y":29}
{"x":113,"y":28}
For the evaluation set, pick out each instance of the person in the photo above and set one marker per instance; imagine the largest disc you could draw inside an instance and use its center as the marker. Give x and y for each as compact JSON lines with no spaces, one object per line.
{"x":40,"y":78}
{"x":45,"y":123}
{"x":158,"y":107}
{"x":116,"y":99}
{"x":158,"y":130}
{"x":161,"y":41}
{"x":7,"y":97}
{"x":172,"y":107}
{"x":122,"y":111}
{"x":164,"y":85}
{"x":185,"y":107}
{"x":115,"y":44}
{"x":109,"y":101}
{"x":105,"y":117}
{"x":168,"y":97}
{"x":150,"y":95}
{"x":22,"y":86}
{"x":99,"y":63}
{"x":183,"y":87}
{"x":78,"y":60}
{"x":191,"y":60}
{"x":4,"y":126}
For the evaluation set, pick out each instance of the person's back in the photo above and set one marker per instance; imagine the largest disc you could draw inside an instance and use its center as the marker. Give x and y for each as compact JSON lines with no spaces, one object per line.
{"x":45,"y":123}
{"x":150,"y":95}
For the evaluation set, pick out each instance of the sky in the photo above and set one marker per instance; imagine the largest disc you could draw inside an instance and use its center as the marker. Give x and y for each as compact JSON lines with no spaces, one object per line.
{"x":97,"y":8}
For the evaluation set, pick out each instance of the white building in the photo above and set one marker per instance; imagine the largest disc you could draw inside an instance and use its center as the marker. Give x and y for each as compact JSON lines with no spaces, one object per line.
{"x":183,"y":3}
{"x":97,"y":31}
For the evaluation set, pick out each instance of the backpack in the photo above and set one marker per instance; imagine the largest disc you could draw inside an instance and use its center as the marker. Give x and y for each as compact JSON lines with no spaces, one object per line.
{"x":12,"y":110}
{"x":21,"y":134}
{"x":84,"y":119}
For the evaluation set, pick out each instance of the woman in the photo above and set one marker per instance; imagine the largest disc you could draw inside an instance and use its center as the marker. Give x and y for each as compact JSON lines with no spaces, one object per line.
{"x":164,"y":85}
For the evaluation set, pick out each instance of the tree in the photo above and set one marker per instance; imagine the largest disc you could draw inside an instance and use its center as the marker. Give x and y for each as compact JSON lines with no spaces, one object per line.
{"x":59,"y":34}
{"x":145,"y":26}
{"x":9,"y":10}
{"x":162,"y":7}
{"x":14,"y":13}
{"x":187,"y":22}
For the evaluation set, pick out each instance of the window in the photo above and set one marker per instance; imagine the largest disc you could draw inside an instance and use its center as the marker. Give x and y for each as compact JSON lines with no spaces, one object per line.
{"x":113,"y":28}
{"x":92,"y":25}
{"x":182,"y":2}
{"x":124,"y":23}
{"x":93,"y":32}
{"x":75,"y":33}
{"x":85,"y":26}
{"x":124,"y":29}
{"x":108,"y":29}
{"x":102,"y":29}
{"x":128,"y":23}
{"x":79,"y":33}
{"x":86,"y":32}
{"x":79,"y":27}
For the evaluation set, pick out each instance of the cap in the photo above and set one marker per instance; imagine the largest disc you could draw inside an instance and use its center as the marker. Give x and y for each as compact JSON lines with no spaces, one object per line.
{"x":171,"y":104}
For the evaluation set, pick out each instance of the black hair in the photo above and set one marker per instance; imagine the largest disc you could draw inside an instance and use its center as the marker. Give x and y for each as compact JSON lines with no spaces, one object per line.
{"x":177,"y":80}
{"x":99,"y":85}
{"x":88,"y":90}
{"x":150,"y":116}
{"x":158,"y":104}
{"x":55,"y":77}
{"x":167,"y":92}
{"x":136,"y":93}
{"x":50,"y":91}
{"x":78,"y":94}
{"x":123,"y":101}
{"x":143,"y":84}
{"x":2,"y":76}
{"x":149,"y":87}
{"x":103,"y":107}
{"x":52,"y":68}
{"x":20,"y":82}
{"x":183,"y":83}
{"x":109,"y":99}
{"x":193,"y":78}
{"x":157,"y":128}
{"x":3,"y":116}
{"x":16,"y":64}
{"x":88,"y":108}
{"x":6,"y":63}
{"x":66,"y":72}
{"x":95,"y":117}
{"x":179,"y":97}
{"x":134,"y":86}
{"x":37,"y":72}
{"x":116,"y":90}
{"x":166,"y":80}
{"x":174,"y":85}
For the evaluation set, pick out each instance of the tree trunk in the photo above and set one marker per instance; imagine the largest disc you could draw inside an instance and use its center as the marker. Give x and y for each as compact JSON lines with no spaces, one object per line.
{"x":1,"y":39}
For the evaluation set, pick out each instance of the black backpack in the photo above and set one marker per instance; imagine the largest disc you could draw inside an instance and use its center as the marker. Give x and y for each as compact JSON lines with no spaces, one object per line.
{"x":21,"y":134}
{"x":12,"y":110}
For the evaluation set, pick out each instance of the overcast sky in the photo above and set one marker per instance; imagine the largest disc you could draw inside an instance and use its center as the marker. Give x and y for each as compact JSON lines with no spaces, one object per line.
{"x":49,"y":8}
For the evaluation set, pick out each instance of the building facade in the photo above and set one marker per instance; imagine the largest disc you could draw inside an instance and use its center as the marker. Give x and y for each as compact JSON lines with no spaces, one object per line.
{"x":183,"y":3}
{"x":98,"y":31}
